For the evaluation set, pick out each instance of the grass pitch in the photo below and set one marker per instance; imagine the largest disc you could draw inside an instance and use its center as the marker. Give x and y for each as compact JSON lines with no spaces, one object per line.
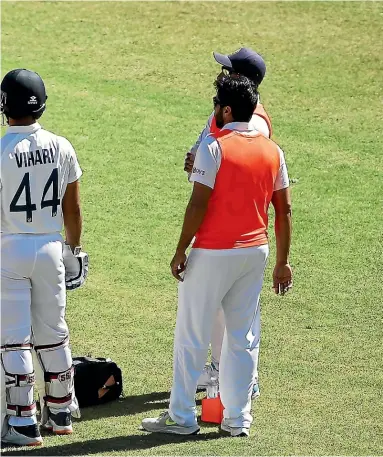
{"x":130,"y":84}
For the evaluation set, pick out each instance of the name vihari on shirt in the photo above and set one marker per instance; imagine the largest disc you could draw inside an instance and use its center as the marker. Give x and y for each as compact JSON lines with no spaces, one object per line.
{"x":32,"y":158}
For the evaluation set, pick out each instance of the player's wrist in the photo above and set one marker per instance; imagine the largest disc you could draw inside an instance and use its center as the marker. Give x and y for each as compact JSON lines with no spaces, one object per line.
{"x":181,"y":249}
{"x":282,"y":261}
{"x":76,"y":248}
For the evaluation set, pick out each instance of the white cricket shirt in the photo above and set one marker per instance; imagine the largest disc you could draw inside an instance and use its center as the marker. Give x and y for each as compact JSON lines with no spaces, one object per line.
{"x":36,"y":167}
{"x":208,"y":158}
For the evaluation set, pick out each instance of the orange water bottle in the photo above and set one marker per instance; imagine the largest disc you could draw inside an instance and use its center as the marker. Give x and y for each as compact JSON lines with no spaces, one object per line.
{"x":212,"y":408}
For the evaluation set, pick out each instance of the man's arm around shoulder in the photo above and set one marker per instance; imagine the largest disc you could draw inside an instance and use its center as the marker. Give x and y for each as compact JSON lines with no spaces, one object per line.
{"x":190,"y":156}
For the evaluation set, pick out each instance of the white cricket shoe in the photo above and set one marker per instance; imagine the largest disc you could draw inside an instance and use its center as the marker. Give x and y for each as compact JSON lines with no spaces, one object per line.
{"x":165,"y":424}
{"x":209,"y":371}
{"x":28,"y":435}
{"x":235,"y":431}
{"x":59,"y":424}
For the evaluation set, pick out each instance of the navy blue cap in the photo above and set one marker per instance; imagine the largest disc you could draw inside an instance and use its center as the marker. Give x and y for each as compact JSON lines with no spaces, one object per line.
{"x":246,"y":62}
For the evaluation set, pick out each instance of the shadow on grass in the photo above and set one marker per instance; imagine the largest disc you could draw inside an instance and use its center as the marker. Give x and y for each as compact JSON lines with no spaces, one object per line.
{"x":119,"y":443}
{"x":134,"y":404}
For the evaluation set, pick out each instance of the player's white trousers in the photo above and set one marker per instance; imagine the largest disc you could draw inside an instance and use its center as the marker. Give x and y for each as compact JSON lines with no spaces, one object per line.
{"x":231,"y":279}
{"x":32,"y":289}
{"x":217,"y":340}
{"x":33,"y":299}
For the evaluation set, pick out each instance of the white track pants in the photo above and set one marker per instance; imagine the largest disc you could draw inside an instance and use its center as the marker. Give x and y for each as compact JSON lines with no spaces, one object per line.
{"x":217,"y":340}
{"x":231,"y":279}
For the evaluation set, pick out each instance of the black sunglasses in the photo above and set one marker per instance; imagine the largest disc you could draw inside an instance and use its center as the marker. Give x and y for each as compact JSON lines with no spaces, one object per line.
{"x":227,"y":71}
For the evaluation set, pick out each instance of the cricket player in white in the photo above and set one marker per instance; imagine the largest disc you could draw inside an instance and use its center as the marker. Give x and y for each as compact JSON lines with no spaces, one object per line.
{"x":247,"y":62}
{"x":237,"y":173}
{"x":39,"y":191}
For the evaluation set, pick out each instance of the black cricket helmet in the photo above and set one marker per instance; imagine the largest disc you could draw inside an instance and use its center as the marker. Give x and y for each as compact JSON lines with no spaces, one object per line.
{"x":22,"y":94}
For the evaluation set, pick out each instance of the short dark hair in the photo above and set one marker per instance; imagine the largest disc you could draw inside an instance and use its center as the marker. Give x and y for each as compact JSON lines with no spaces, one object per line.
{"x":238,"y":92}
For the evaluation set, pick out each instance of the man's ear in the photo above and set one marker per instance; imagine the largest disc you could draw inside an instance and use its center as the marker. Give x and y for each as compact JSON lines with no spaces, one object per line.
{"x":227,"y":110}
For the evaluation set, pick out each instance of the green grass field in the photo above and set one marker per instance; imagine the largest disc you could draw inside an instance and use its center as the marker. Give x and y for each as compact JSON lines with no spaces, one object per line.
{"x":130,"y":84}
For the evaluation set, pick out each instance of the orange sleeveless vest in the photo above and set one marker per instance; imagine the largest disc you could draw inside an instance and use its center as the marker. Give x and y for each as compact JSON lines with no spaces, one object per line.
{"x":237,"y":212}
{"x":259,"y":111}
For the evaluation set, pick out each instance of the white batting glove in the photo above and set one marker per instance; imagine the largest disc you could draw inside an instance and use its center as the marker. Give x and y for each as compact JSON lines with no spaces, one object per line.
{"x":76,"y":268}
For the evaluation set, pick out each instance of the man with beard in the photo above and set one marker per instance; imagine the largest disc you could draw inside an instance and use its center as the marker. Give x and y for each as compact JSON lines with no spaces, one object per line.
{"x":236,"y":174}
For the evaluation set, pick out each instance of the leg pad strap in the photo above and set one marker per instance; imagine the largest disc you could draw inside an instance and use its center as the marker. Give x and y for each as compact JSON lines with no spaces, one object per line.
{"x":19,"y":380}
{"x":21,"y":411}
{"x":59,"y":388}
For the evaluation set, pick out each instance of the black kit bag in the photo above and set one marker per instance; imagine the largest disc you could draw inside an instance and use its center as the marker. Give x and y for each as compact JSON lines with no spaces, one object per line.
{"x":96,"y":380}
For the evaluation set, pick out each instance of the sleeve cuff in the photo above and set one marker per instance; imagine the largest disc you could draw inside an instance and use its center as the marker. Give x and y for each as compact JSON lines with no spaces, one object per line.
{"x":200,"y":180}
{"x":75,"y":178}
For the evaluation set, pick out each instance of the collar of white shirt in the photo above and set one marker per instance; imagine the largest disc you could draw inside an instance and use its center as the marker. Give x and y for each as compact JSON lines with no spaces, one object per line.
{"x":24,"y":128}
{"x":241,"y":126}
